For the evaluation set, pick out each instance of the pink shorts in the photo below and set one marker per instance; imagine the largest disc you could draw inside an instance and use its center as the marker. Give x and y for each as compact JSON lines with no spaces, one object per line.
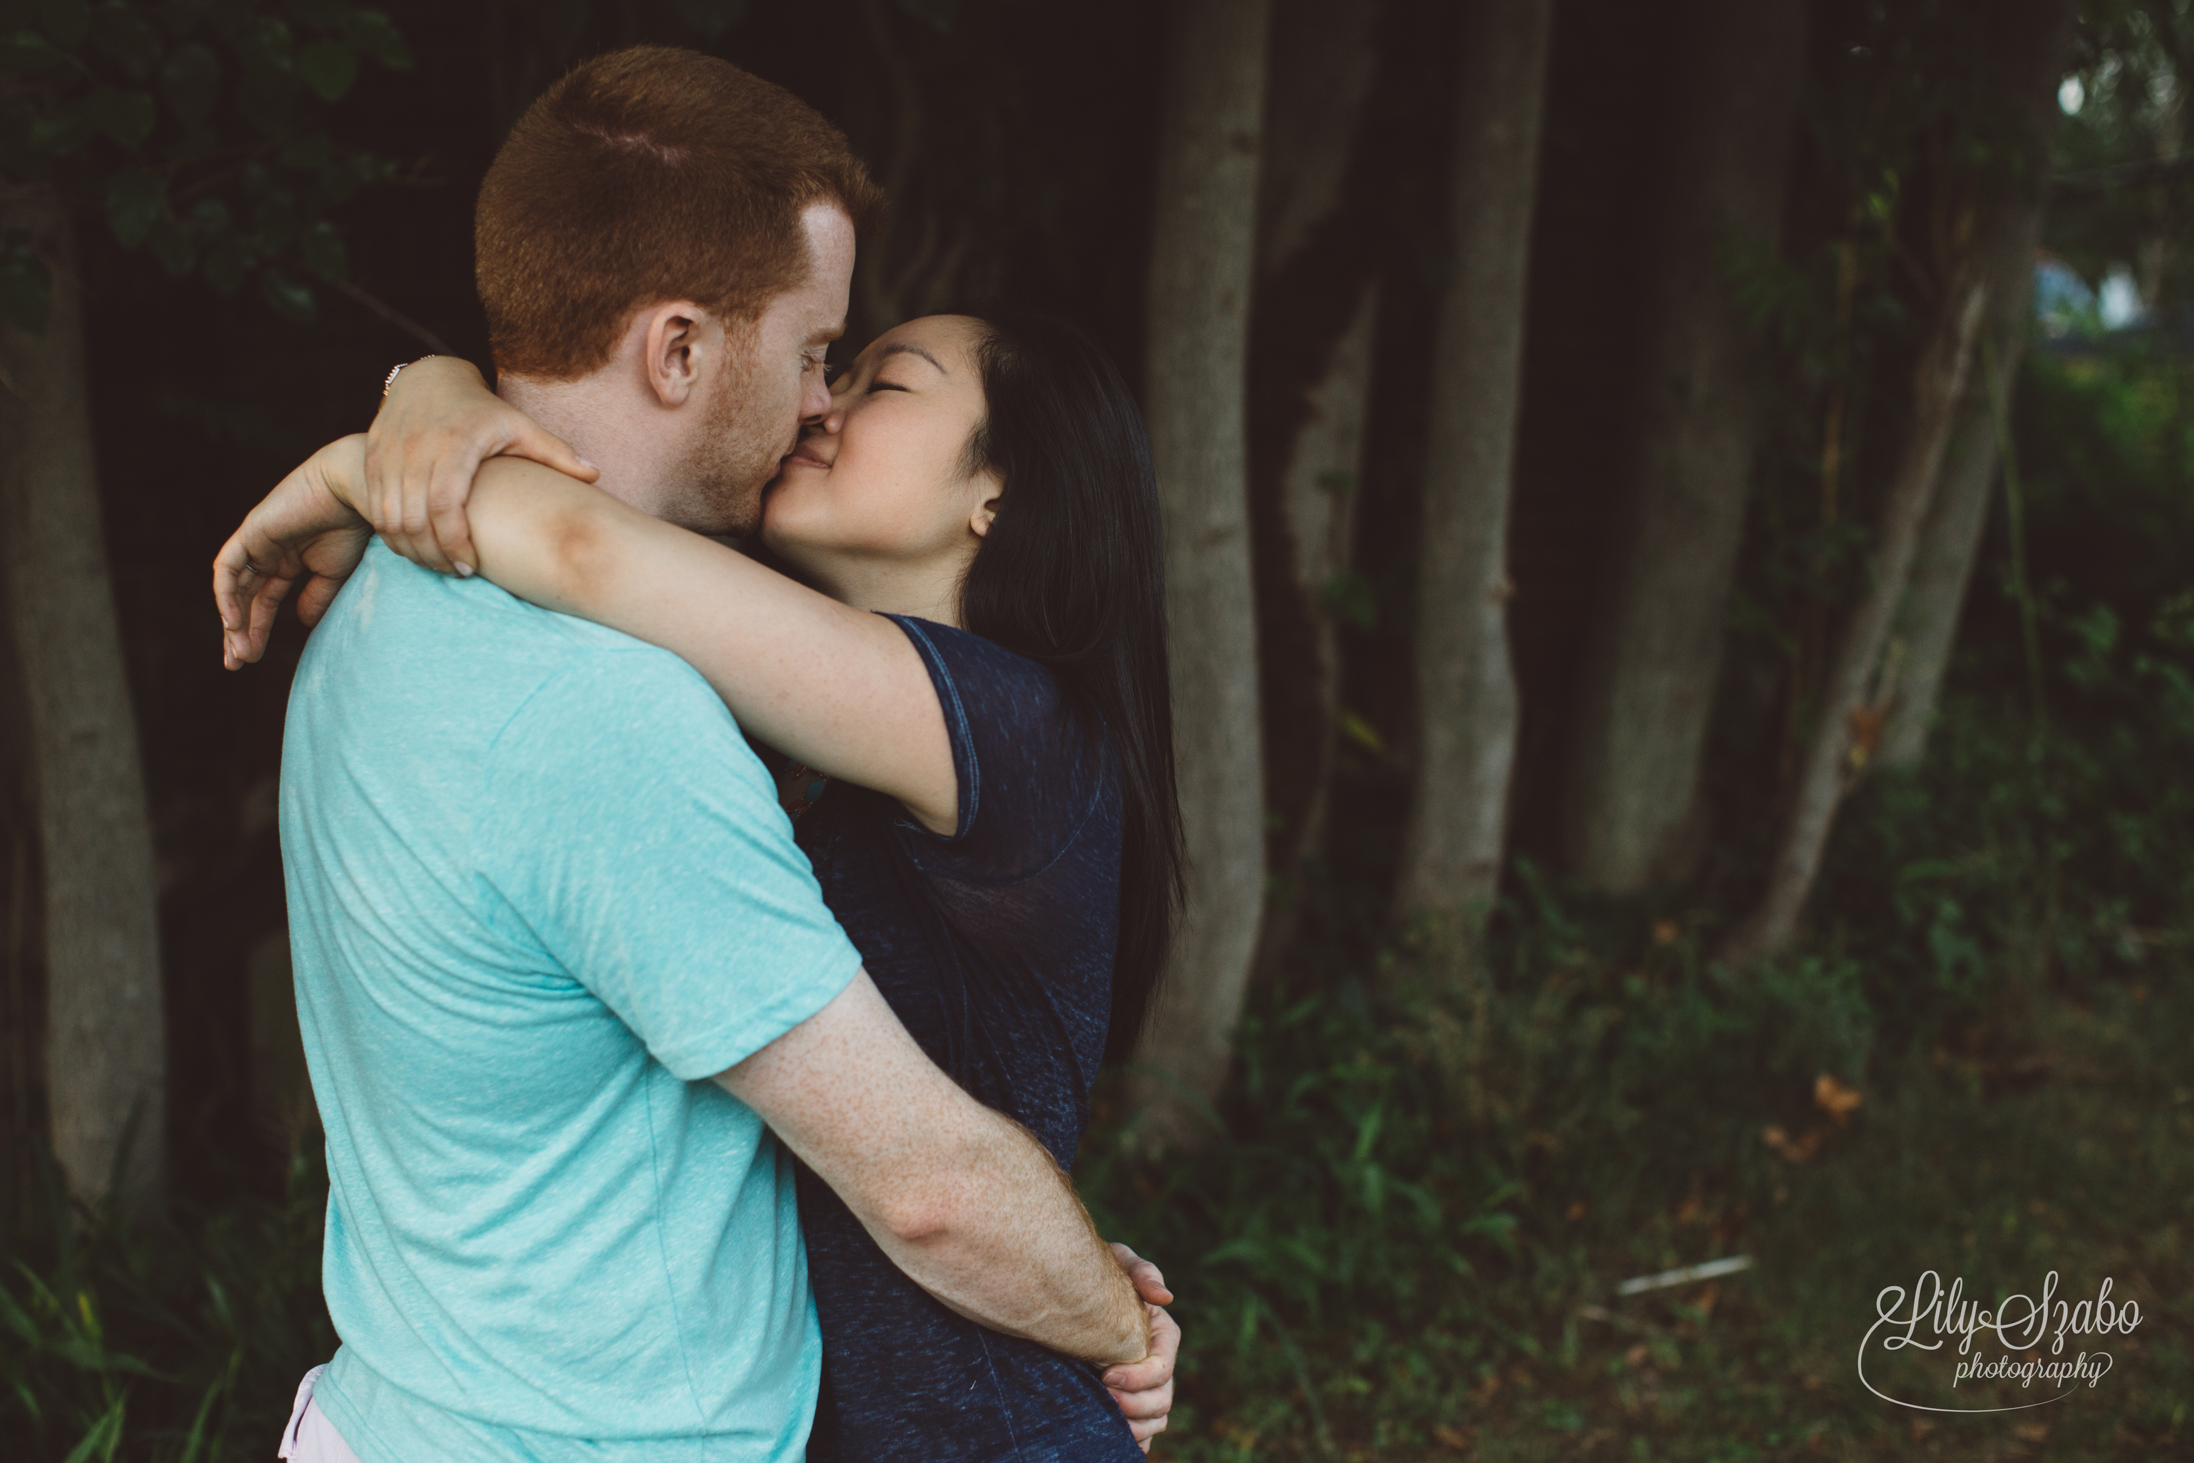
{"x":310,"y":1437}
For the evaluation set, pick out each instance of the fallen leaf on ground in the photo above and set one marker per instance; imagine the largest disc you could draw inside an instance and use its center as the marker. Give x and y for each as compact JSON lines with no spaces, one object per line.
{"x":1793,"y":1150}
{"x":1835,"y":1099}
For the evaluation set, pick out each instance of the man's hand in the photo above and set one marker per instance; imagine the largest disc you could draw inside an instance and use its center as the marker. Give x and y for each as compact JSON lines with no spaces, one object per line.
{"x":1144,"y":1389}
{"x":305,"y":527}
{"x":439,"y":423}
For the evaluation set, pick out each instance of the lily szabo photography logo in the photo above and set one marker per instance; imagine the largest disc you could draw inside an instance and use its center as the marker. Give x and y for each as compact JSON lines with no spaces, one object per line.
{"x":2045,"y":1349}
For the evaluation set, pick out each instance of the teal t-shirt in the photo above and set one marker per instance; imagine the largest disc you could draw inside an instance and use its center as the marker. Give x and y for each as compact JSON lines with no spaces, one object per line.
{"x":540,"y":891}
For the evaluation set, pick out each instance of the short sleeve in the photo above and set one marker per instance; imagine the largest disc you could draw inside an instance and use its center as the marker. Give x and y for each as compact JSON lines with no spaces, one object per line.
{"x":1031,"y":766}
{"x":632,"y":830}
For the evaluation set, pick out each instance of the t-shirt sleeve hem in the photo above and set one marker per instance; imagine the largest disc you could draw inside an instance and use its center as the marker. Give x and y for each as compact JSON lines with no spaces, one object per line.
{"x":966,"y":769}
{"x":799,"y":998}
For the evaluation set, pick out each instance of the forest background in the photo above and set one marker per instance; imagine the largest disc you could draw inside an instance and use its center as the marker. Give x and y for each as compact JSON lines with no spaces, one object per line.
{"x":1685,"y":658}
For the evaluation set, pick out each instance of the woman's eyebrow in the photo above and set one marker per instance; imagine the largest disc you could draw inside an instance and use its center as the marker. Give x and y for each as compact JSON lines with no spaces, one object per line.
{"x":903,"y":348}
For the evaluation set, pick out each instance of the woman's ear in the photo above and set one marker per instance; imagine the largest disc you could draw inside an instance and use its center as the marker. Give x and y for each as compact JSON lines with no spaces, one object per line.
{"x":982,"y":518}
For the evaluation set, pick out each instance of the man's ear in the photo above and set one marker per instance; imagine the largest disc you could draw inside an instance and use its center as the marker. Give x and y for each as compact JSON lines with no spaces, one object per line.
{"x":680,"y":348}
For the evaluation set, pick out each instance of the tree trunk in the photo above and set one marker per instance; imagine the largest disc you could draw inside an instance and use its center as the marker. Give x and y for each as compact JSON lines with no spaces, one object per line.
{"x":1631,"y":801}
{"x":1848,"y":721}
{"x":2037,"y":49}
{"x":105,"y":1032}
{"x":1201,"y":274}
{"x":1317,"y":505}
{"x":1466,"y":686}
{"x":1312,"y":327}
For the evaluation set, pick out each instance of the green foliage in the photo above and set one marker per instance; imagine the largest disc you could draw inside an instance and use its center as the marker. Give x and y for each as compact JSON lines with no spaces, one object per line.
{"x":197,"y":129}
{"x":2051,"y":848}
{"x":2130,"y":65}
{"x":1412,"y":1248}
{"x":123,"y":1336}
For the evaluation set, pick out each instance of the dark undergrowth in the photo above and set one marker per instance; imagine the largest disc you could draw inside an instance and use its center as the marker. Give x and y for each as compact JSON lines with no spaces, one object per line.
{"x":1406,"y":1258}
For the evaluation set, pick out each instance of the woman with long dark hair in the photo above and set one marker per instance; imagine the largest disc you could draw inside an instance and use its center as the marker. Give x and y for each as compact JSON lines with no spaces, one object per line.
{"x":963,"y":669}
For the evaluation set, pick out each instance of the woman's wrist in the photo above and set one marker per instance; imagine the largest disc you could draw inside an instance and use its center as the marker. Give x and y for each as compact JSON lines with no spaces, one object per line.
{"x":342,"y":471}
{"x":430,"y":371}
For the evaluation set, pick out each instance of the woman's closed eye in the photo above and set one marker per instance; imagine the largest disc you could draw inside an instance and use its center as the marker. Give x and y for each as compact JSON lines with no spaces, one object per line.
{"x":887,"y":386}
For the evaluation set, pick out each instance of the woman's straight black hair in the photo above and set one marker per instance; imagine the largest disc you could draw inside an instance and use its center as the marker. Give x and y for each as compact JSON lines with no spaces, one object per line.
{"x":1072,"y":576}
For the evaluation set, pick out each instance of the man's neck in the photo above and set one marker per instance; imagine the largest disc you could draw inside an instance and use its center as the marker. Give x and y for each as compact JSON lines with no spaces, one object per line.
{"x":611,"y":424}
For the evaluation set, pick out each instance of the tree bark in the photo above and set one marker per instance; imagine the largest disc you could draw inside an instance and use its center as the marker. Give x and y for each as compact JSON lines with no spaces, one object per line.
{"x":1631,"y":796}
{"x":2035,"y":49}
{"x":1201,"y":274}
{"x":1312,"y":328}
{"x":1466,"y":685}
{"x":1845,"y":727}
{"x":1317,"y":503}
{"x":105,"y":1033}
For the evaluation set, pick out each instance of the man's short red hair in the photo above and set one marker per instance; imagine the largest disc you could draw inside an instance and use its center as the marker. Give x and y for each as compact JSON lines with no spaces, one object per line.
{"x":646,"y":175}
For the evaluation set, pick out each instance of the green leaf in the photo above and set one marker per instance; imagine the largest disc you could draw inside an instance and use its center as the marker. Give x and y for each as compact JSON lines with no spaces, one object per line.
{"x":1367,"y":1131}
{"x":28,"y":53}
{"x":125,"y":116}
{"x":269,"y":43}
{"x":173,"y":246}
{"x":67,"y":21}
{"x":211,"y":216}
{"x":321,"y":247}
{"x":1363,"y":733}
{"x":191,"y":81}
{"x":374,"y":34}
{"x":329,"y":68}
{"x":104,"y":1438}
{"x":275,"y":223}
{"x":712,"y":18}
{"x":1350,"y":599}
{"x":135,"y":201}
{"x":26,"y":287}
{"x":291,"y":297}
{"x":226,"y":264}
{"x":62,"y":131}
{"x":346,"y":173}
{"x":124,"y":34}
{"x":308,"y":151}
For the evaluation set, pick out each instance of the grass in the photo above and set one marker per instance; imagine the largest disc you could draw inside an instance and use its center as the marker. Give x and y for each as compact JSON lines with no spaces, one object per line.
{"x":1492,"y":1330}
{"x":178,"y":1338}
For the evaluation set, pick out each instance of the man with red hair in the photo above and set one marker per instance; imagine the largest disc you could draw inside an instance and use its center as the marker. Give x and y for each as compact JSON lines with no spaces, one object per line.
{"x":558,"y":959}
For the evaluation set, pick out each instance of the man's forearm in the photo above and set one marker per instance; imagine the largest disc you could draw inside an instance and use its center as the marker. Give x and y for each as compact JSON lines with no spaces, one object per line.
{"x":963,"y":1199}
{"x":1008,"y":1244}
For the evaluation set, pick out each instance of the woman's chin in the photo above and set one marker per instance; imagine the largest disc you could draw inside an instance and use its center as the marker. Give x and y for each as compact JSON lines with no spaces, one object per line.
{"x":780,"y":531}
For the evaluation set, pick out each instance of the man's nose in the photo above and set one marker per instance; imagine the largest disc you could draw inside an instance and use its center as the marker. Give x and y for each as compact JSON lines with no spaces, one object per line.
{"x":814,"y":398}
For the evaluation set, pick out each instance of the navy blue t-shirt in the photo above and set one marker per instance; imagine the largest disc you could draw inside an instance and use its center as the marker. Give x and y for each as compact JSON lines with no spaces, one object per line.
{"x":995,"y":947}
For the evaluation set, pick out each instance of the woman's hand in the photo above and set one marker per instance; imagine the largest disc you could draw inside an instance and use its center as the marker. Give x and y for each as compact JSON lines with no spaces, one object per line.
{"x":305,"y":527}
{"x":1144,"y":1389}
{"x":438,"y":424}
